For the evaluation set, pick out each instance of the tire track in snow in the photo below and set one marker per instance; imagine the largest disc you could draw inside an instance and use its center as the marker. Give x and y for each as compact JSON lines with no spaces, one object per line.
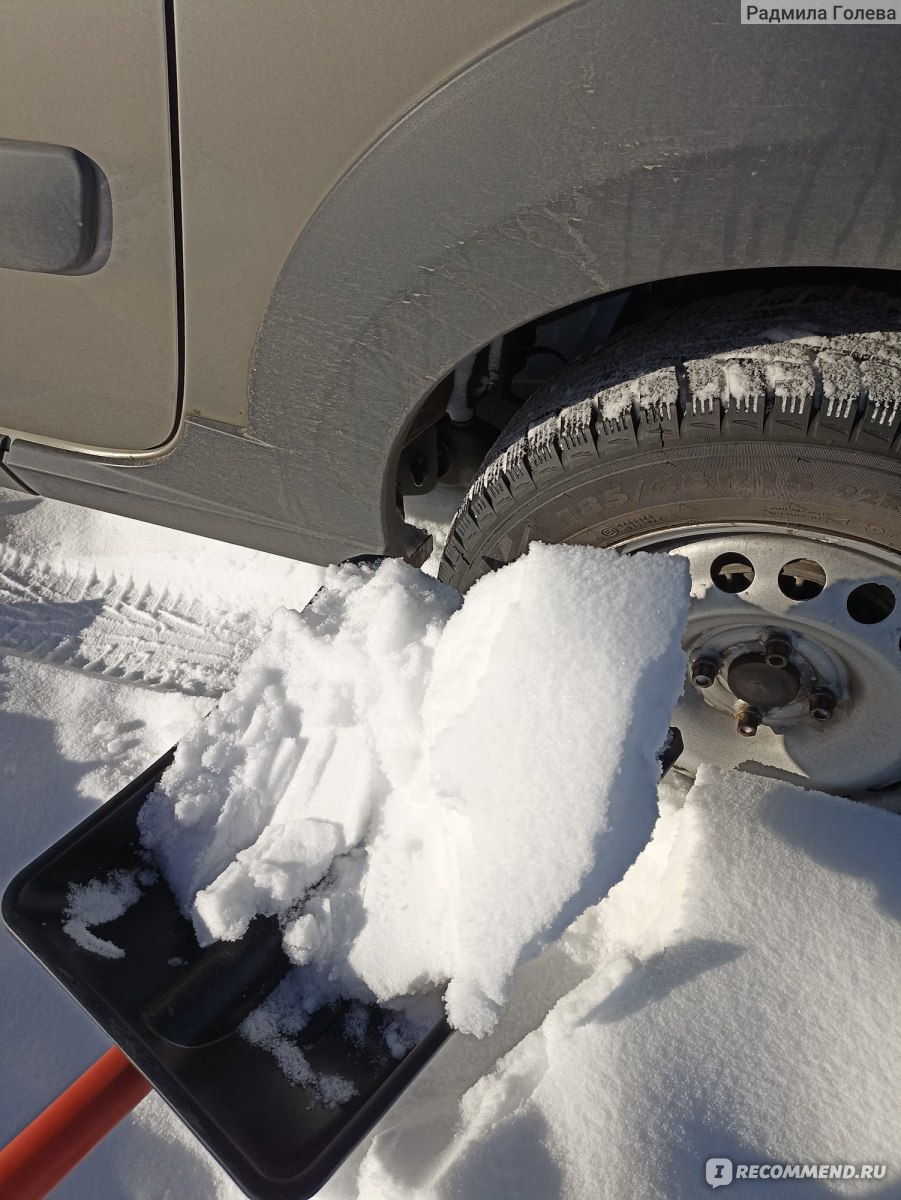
{"x":127,"y":630}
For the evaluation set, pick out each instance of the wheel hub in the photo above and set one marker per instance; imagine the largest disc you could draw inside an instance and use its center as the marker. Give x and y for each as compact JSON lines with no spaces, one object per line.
{"x":781,"y":676}
{"x":752,"y":679}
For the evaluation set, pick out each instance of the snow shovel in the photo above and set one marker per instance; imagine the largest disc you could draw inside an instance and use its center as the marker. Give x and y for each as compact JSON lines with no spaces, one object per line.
{"x":174,"y":1009}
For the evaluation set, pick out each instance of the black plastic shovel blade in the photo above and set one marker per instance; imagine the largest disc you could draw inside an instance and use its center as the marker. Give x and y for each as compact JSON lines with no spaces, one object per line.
{"x":174,"y":1009}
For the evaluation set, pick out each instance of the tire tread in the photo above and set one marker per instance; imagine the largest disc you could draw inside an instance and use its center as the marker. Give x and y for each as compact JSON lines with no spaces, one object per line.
{"x":816,"y":385}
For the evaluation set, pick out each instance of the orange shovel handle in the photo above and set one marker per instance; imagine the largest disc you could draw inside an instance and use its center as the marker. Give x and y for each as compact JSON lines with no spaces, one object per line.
{"x":58,"y":1139}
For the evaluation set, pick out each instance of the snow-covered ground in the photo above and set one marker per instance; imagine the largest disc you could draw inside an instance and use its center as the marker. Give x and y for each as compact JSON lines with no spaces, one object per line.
{"x":735,"y":995}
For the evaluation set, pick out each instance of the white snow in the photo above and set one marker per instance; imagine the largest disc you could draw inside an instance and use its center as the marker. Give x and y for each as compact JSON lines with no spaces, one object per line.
{"x":736,"y":993}
{"x":97,"y":903}
{"x":738,"y":997}
{"x":496,"y":762}
{"x":96,"y":545}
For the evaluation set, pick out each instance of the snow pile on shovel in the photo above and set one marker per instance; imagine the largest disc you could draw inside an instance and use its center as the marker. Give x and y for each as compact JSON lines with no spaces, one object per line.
{"x":428,"y":791}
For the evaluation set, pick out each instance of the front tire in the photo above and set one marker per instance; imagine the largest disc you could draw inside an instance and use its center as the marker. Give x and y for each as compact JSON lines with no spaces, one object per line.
{"x":800,"y":432}
{"x":759,"y":438}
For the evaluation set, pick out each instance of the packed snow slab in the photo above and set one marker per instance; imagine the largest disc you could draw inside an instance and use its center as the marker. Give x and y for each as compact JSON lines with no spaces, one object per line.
{"x":427,"y":791}
{"x":739,"y":999}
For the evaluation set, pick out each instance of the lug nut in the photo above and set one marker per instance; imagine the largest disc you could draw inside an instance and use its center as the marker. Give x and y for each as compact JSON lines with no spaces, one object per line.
{"x":747,"y":721}
{"x":704,"y":671}
{"x":822,"y":704}
{"x":777,"y":651}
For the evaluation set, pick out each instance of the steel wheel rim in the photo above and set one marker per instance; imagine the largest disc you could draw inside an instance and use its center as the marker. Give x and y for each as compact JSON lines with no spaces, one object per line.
{"x":856,"y":750}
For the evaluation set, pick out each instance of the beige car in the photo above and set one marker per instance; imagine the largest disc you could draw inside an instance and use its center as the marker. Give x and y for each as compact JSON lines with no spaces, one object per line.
{"x":626,"y":271}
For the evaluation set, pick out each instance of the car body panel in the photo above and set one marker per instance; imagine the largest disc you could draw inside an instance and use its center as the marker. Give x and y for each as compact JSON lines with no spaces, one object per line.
{"x":90,"y":356}
{"x":604,"y":146}
{"x":276,"y":104}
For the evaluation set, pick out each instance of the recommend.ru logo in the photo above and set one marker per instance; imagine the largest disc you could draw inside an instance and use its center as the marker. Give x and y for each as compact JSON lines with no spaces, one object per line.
{"x":720,"y":1171}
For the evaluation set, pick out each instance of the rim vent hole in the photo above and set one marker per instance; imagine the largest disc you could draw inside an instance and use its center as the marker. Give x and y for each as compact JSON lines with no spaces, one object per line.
{"x":801,"y":579}
{"x":732,"y":573}
{"x":871,"y":603}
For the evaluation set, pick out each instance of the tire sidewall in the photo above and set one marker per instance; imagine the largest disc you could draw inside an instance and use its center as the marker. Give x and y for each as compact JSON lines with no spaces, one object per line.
{"x":801,"y":487}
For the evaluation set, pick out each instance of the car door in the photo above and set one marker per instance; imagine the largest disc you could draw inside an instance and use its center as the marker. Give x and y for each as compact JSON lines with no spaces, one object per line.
{"x":89,"y":341}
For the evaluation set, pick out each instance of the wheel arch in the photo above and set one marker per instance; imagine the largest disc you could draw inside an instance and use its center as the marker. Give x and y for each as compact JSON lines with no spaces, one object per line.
{"x":539,"y":177}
